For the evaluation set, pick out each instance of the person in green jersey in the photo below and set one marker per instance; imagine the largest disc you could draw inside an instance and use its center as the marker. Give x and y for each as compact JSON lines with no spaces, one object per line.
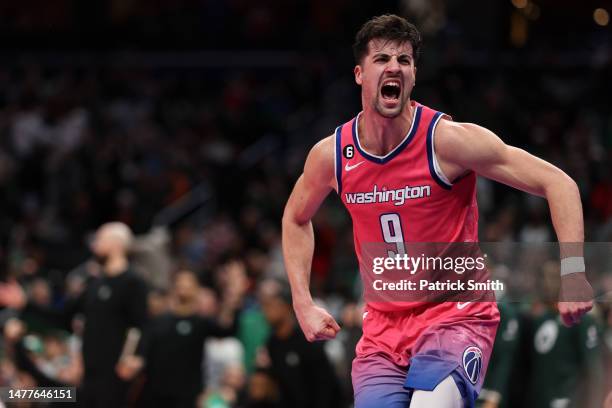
{"x":566,"y":362}
{"x":497,"y":382}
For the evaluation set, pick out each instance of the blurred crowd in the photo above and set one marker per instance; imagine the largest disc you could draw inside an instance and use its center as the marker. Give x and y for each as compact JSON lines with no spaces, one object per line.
{"x":86,"y":142}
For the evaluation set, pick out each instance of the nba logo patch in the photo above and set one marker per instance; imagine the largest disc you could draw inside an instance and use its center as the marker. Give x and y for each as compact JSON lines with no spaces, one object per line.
{"x":472,"y":363}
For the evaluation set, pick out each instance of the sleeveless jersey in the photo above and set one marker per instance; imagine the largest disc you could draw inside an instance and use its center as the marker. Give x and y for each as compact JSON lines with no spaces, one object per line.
{"x":403,"y":196}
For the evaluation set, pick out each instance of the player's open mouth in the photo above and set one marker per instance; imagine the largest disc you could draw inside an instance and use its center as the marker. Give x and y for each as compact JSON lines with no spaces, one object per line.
{"x":391,"y":90}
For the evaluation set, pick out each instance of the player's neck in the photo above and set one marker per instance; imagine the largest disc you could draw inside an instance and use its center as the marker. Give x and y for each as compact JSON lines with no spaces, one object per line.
{"x":379,"y":135}
{"x":183,"y":308}
{"x":116,"y":265}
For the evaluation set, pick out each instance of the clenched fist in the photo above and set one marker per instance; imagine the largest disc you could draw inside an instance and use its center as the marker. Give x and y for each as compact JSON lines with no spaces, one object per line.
{"x":575,"y":298}
{"x":316,"y":322}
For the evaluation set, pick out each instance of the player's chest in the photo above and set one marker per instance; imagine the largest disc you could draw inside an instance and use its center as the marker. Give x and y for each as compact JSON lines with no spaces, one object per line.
{"x":402,"y":185}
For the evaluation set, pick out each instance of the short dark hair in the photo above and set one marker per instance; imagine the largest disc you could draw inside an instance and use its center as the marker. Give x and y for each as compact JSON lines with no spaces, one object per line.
{"x":388,"y":27}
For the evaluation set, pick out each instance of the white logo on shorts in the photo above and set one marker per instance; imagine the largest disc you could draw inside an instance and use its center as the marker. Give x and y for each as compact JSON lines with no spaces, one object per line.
{"x":472,"y":363}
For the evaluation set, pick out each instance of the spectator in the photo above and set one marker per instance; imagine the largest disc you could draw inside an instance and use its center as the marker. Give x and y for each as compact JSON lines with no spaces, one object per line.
{"x":497,"y":383}
{"x":173,"y":343}
{"x":299,"y":367}
{"x":111,"y":303}
{"x":50,"y":362}
{"x":262,"y":391}
{"x":566,"y":362}
{"x":100,"y":138}
{"x":230,"y":392}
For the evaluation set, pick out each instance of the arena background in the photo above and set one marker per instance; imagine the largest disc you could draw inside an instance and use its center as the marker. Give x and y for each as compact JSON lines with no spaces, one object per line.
{"x":190,"y":121}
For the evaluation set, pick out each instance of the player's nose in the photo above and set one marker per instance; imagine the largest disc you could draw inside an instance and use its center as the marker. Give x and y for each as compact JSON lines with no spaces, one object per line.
{"x":393,"y":65}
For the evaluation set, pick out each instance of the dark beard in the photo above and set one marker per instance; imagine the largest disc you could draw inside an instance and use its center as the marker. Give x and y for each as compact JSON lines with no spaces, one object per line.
{"x":388,"y":116}
{"x":380,"y":110}
{"x":184,"y":300}
{"x":101,"y":260}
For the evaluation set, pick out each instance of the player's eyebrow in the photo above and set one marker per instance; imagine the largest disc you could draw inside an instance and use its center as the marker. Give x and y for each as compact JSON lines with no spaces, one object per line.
{"x":380,"y":54}
{"x":387,"y":55}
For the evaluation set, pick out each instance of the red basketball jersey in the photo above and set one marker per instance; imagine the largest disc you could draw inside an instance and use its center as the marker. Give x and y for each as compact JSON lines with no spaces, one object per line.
{"x":403,"y":196}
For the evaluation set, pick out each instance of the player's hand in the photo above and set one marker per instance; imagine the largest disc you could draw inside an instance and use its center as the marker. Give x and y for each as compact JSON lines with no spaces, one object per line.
{"x":128,"y":367}
{"x":12,"y":295}
{"x":575,"y":298}
{"x":316,"y":323}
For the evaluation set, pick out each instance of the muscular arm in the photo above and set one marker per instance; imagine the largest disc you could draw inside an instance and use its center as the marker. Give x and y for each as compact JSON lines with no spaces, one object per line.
{"x":465,"y":146}
{"x":298,"y":238}
{"x":461,"y":147}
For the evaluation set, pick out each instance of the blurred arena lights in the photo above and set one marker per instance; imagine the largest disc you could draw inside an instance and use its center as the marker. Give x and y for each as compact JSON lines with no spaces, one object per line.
{"x":520,"y":3}
{"x":601,"y":17}
{"x":532,"y":11}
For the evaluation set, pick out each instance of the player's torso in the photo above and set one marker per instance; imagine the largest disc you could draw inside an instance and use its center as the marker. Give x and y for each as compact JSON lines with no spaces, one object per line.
{"x":401,"y":196}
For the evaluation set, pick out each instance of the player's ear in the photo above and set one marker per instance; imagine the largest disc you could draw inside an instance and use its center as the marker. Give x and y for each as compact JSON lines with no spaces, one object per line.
{"x":357,"y":72}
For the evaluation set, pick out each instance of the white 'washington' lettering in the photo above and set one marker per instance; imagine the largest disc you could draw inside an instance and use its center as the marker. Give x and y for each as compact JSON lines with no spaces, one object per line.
{"x":398,"y":197}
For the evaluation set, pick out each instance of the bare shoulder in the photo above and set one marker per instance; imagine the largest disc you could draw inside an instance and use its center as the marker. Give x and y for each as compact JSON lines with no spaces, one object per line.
{"x":466,"y":146}
{"x":323,"y":150}
{"x":319,"y":165}
{"x":451,"y":136}
{"x":314,"y":184}
{"x":457,"y":140}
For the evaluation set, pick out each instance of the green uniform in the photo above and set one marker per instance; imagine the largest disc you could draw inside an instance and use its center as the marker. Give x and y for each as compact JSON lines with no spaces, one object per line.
{"x":253,"y":332}
{"x":496,"y":385}
{"x":566,"y":364}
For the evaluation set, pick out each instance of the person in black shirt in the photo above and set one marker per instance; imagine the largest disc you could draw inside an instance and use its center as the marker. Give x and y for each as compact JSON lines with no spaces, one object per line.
{"x":114,"y":300}
{"x":302,"y":370}
{"x":173,"y":343}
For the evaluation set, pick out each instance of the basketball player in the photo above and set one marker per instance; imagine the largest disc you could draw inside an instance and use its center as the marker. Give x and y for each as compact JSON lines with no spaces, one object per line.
{"x":111,"y":303}
{"x":432,"y":354}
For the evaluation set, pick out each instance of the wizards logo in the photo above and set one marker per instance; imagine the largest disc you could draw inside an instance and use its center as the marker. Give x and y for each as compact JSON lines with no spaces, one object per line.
{"x":472,"y":363}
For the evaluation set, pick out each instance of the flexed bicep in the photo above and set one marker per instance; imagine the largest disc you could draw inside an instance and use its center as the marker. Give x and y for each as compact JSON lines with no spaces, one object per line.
{"x":472,"y":147}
